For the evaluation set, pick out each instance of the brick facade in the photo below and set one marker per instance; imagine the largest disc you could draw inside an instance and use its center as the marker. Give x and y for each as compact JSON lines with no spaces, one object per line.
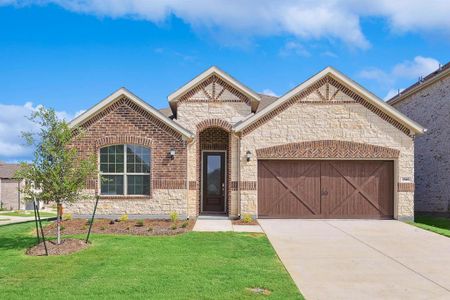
{"x":123,"y":122}
{"x":430,"y":106}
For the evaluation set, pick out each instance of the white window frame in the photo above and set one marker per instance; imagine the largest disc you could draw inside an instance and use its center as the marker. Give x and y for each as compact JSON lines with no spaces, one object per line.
{"x":124,"y":174}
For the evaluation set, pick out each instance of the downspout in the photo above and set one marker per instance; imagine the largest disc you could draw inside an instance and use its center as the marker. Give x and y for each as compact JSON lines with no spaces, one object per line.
{"x":239,"y":175}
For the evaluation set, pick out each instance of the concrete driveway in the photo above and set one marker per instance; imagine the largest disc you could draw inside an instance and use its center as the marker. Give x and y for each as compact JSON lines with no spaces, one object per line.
{"x":362,"y":259}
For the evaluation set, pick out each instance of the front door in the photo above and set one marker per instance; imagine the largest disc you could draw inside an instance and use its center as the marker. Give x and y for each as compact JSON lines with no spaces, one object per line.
{"x":213,"y":185}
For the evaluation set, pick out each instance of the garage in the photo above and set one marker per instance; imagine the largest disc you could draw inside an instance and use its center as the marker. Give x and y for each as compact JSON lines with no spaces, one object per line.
{"x":326,"y":189}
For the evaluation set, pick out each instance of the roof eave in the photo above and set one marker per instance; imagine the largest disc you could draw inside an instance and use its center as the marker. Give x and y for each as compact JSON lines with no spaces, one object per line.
{"x":412,"y":125}
{"x":173,"y":98}
{"x":124,"y":92}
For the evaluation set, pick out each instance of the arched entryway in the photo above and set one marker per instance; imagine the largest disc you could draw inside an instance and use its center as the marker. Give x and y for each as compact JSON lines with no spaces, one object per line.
{"x":214,"y":166}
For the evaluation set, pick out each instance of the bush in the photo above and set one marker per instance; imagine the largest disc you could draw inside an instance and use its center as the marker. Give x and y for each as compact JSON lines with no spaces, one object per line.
{"x":102,"y":228}
{"x":150,"y":229}
{"x":185,"y":224}
{"x":67,"y":217}
{"x":174,"y":216}
{"x":123,"y":217}
{"x":62,"y":228}
{"x":174,"y":226}
{"x":247,"y":218}
{"x":139,"y":223}
{"x":88,"y":221}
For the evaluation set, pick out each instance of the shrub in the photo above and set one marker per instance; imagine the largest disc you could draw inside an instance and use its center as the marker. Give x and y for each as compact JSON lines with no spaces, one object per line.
{"x":62,"y":228}
{"x":102,"y":228}
{"x":185,"y":224}
{"x":128,"y":227}
{"x":150,"y":229}
{"x":173,"y":216}
{"x":140,"y":223}
{"x":84,"y":227}
{"x":174,"y":226}
{"x":88,"y":221}
{"x":111,"y":222}
{"x":123,"y":217}
{"x":67,"y":217}
{"x":247,"y":218}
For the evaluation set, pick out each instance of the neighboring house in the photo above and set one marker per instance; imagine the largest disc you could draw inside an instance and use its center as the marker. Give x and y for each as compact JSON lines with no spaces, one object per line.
{"x":428,"y":102}
{"x":326,"y":149}
{"x":10,"y":196}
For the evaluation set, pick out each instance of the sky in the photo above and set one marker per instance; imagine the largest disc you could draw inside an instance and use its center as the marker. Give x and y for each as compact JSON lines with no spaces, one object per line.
{"x":69,"y":55}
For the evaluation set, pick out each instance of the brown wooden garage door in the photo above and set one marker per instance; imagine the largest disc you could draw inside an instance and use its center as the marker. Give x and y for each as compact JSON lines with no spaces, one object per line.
{"x":325,"y":189}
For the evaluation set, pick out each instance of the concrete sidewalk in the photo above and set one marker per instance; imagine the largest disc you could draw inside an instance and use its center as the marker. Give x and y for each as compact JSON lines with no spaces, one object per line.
{"x":362,"y":259}
{"x":6,"y":220}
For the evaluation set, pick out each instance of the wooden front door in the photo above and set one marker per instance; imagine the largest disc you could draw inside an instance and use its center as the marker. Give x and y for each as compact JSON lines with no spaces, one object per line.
{"x":213,"y":182}
{"x":325,"y":189}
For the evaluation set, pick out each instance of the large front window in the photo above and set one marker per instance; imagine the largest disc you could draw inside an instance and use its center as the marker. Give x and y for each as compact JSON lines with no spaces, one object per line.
{"x":125,"y":170}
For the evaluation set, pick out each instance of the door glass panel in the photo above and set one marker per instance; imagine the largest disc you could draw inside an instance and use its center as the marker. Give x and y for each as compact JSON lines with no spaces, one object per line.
{"x":214,"y":182}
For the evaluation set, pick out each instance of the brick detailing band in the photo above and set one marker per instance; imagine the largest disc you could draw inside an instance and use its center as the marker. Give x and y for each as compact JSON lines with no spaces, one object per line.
{"x":214,"y":89}
{"x":245,"y":185}
{"x":123,"y":139}
{"x":327,"y":149}
{"x":168,"y":184}
{"x":405,"y":187}
{"x":214,"y":123}
{"x":302,"y":98}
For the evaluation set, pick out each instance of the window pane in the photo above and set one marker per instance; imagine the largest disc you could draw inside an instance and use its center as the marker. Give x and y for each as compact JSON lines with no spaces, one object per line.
{"x":138,"y":184}
{"x":111,"y":184}
{"x":138,"y":159}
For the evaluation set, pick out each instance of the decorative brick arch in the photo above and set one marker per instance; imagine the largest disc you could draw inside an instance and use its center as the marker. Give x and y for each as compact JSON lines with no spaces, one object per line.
{"x":214,"y":123}
{"x":327,"y":149}
{"x":123,"y":139}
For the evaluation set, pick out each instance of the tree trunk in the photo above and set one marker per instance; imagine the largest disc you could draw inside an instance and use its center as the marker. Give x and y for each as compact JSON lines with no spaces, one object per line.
{"x":58,"y":222}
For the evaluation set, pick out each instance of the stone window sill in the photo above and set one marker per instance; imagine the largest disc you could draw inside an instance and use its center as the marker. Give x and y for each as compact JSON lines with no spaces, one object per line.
{"x":125,"y":197}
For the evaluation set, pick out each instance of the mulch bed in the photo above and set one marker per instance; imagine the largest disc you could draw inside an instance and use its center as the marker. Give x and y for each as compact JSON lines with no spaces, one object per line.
{"x":241,"y":222}
{"x":67,"y":246}
{"x":134,"y":227}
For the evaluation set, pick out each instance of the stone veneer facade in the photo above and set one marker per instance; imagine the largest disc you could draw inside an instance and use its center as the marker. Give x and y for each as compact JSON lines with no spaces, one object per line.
{"x":430,"y":106}
{"x":210,"y":111}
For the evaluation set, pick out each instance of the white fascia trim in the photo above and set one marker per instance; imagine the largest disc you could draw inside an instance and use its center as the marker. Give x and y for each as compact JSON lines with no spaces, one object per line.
{"x":242,"y":88}
{"x":124,"y":92}
{"x":346,"y":80}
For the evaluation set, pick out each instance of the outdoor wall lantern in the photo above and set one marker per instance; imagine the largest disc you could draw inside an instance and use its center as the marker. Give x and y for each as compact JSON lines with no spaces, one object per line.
{"x":172,"y":153}
{"x":248,"y":155}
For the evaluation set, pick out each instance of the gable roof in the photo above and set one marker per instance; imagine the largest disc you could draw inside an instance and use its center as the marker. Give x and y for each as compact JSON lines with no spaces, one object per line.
{"x":266,"y":100}
{"x":124,"y":92}
{"x":8,"y":171}
{"x":174,"y":97}
{"x":440,"y":73}
{"x":371,"y":98}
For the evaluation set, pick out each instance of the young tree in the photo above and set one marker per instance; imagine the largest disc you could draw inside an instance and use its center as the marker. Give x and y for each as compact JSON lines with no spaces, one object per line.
{"x":57,"y":173}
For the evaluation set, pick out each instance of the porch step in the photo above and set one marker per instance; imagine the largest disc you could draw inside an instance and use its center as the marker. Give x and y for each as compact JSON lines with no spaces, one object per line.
{"x":212,"y":217}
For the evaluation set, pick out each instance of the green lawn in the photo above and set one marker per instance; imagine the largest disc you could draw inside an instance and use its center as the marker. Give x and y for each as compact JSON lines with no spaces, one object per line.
{"x":189,"y":266}
{"x":27,"y":213}
{"x":436,"y":224}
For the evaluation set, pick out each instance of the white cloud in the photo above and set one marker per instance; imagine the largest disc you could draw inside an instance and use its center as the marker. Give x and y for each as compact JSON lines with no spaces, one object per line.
{"x":306,"y":19}
{"x":420,"y":66}
{"x":408,"y":69}
{"x":269,"y":92}
{"x":391,"y":93}
{"x":294,"y":48}
{"x":14,"y":121}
